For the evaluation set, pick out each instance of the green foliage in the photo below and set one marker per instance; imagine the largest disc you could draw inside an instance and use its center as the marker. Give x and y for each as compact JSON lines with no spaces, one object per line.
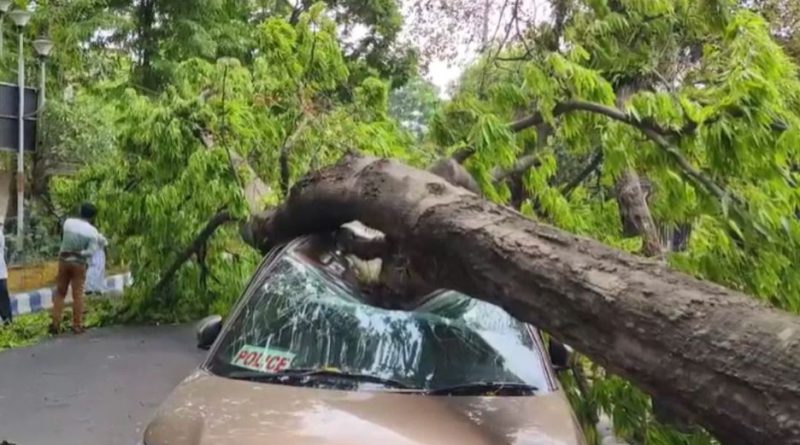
{"x":30,"y":329}
{"x":96,"y":38}
{"x":41,"y":242}
{"x":25,"y":331}
{"x":166,"y":179}
{"x":714,"y":82}
{"x":734,"y":93}
{"x":76,"y":132}
{"x":629,"y":409}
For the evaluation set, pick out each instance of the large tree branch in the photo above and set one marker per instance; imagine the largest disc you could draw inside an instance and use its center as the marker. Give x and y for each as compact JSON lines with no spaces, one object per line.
{"x":565,"y":107}
{"x":653,"y":132}
{"x":569,"y":106}
{"x":718,"y":353}
{"x":523,"y":164}
{"x":254,"y":189}
{"x":463,"y":154}
{"x":634,"y":210}
{"x":594,"y":164}
{"x":219,"y":219}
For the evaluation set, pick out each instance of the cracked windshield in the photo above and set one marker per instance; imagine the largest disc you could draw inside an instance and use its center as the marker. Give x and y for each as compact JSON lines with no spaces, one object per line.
{"x":301,"y":318}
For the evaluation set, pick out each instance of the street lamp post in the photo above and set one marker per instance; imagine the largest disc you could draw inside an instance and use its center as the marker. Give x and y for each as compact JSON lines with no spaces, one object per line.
{"x":43,"y":48}
{"x":21,"y":18}
{"x":5,"y":5}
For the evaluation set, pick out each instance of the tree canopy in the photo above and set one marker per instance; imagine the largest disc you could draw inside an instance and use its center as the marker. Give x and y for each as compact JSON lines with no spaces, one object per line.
{"x":279,"y":114}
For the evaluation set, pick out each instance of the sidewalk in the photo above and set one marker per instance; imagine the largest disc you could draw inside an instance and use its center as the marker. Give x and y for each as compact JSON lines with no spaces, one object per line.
{"x":42,"y":299}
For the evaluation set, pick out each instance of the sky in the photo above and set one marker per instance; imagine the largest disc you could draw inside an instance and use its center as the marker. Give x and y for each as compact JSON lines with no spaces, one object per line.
{"x":443,"y":73}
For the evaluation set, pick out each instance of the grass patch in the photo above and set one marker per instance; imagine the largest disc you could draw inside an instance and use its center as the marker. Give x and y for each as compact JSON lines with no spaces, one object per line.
{"x":30,"y":329}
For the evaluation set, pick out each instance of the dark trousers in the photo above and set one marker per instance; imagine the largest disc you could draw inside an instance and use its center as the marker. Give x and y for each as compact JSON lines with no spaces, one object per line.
{"x":5,"y":301}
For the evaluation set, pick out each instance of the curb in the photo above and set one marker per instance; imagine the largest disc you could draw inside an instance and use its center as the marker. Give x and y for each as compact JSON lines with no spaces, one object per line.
{"x":41,"y":299}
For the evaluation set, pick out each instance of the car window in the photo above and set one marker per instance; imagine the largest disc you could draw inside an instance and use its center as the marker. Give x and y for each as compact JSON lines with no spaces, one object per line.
{"x":301,"y":318}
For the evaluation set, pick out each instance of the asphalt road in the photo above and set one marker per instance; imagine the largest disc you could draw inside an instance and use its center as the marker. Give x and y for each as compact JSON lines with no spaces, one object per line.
{"x":100,"y":388}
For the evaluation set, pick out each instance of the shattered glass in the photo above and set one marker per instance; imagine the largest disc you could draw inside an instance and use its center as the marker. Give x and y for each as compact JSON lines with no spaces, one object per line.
{"x":320,"y":321}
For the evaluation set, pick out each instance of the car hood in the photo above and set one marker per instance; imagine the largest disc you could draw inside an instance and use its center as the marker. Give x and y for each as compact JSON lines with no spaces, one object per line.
{"x":205,"y":410}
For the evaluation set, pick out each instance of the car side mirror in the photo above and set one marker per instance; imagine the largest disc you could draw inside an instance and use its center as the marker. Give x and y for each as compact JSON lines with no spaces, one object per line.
{"x":560,"y":355}
{"x":207,"y":331}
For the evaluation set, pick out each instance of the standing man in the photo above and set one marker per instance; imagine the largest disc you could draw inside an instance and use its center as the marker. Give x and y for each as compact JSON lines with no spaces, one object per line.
{"x":79,"y":240}
{"x":5,"y":299}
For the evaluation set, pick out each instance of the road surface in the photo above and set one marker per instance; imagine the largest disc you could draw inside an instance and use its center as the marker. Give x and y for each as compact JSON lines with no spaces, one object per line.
{"x":100,"y":388}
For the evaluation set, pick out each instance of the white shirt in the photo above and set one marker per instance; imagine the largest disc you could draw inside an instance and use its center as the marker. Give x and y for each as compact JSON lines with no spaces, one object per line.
{"x":80,"y":240}
{"x":3,"y":266}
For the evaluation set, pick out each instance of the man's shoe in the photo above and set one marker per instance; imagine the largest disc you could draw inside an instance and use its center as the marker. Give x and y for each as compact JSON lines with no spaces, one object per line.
{"x":52,"y":330}
{"x":78,"y":331}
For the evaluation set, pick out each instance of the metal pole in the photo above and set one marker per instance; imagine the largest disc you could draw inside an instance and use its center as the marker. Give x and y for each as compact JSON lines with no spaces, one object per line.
{"x":42,"y":82}
{"x":21,"y":147}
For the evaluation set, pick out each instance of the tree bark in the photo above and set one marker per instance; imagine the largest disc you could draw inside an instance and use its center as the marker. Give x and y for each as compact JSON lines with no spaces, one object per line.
{"x":522,"y":165}
{"x":727,"y":358}
{"x":635,"y":213}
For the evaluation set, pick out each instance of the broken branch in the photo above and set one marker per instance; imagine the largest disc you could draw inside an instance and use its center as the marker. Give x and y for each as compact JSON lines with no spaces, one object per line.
{"x":593,"y":165}
{"x":219,"y":219}
{"x":522,"y":165}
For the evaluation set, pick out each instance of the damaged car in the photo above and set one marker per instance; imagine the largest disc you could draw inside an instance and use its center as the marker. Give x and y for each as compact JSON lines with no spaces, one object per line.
{"x":305,"y":358}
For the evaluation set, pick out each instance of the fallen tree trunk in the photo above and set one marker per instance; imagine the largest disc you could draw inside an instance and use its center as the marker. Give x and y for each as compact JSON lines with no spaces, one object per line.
{"x":717,"y":353}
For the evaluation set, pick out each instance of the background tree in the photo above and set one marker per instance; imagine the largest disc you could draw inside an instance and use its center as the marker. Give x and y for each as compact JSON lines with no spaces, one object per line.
{"x":414,"y":104}
{"x":784,"y":19}
{"x":219,"y":128}
{"x":105,"y":47}
{"x":169,"y":32}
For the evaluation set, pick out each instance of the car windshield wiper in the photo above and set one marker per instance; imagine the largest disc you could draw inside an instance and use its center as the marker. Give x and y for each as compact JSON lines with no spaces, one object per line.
{"x":305,"y":373}
{"x":484,"y":388}
{"x":310,"y":372}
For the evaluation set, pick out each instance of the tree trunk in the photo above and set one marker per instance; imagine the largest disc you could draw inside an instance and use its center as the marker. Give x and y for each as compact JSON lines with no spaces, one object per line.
{"x":719,"y":354}
{"x":148,"y":44}
{"x":635,"y":213}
